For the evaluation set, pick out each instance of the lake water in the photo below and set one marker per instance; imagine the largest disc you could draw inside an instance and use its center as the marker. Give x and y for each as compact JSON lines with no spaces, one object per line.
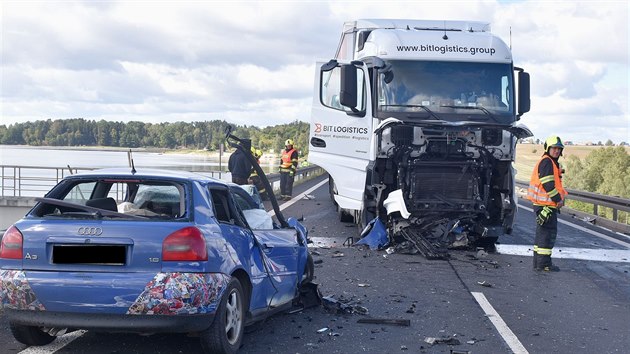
{"x":29,"y":156}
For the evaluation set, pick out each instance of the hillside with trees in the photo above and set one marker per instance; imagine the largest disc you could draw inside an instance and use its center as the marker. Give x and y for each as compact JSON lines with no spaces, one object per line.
{"x":195,"y":135}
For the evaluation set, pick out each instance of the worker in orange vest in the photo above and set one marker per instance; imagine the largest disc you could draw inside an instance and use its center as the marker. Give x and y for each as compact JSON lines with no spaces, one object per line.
{"x":546,"y":192}
{"x":288,"y":167}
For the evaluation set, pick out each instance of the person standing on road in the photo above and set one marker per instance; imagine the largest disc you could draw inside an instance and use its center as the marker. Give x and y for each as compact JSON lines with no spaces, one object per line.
{"x":254,"y":178}
{"x":546,"y":192}
{"x":288,"y":167}
{"x":239,"y":165}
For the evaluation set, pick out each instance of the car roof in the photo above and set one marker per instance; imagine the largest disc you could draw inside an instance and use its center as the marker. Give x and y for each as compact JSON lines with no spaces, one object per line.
{"x":146,"y":173}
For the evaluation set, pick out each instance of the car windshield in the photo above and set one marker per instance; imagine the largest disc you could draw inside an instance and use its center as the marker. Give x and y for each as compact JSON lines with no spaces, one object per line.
{"x":449,"y":91}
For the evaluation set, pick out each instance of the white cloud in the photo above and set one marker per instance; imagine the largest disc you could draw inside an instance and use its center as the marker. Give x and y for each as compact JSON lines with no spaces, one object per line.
{"x":253,"y":62}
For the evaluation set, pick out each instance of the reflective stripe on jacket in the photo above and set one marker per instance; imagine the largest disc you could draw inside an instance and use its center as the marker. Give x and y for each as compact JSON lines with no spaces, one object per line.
{"x":537,"y":194}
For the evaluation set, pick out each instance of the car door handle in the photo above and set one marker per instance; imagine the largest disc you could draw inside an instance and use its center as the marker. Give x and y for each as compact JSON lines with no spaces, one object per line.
{"x":317,"y":142}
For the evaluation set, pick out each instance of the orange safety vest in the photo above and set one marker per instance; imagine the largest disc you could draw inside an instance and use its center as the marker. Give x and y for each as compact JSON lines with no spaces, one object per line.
{"x":537,"y":194}
{"x":287,"y":163}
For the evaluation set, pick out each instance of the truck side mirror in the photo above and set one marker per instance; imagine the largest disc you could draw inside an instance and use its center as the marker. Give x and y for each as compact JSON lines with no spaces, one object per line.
{"x":524,"y":102}
{"x":348,"y":94}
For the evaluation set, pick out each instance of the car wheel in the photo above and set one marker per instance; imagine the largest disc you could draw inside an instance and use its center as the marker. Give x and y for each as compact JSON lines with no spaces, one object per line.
{"x":309,"y":270}
{"x":30,"y":335}
{"x":226,"y":332}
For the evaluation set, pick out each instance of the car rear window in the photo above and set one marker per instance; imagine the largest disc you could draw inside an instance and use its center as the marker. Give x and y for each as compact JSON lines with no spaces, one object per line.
{"x":145,"y":199}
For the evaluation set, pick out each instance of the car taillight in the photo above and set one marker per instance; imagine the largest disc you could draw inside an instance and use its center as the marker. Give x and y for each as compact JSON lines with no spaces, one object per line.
{"x":11,"y":246}
{"x":187,"y":244}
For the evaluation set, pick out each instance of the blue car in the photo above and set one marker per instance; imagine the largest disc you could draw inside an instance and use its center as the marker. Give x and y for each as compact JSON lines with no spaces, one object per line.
{"x":149,"y":251}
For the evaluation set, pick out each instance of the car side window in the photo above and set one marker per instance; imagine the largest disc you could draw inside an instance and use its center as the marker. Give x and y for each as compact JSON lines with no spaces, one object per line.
{"x":224,"y":208}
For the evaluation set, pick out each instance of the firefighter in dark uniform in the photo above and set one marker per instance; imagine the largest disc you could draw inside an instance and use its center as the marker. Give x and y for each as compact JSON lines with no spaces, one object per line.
{"x":238,"y":164}
{"x":254,"y":178}
{"x":546,"y":192}
{"x":288,"y":167}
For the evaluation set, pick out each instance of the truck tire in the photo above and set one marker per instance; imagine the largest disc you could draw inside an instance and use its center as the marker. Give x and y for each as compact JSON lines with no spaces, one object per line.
{"x":30,"y":335}
{"x":364,"y":219}
{"x":332,"y":190}
{"x":344,"y":215}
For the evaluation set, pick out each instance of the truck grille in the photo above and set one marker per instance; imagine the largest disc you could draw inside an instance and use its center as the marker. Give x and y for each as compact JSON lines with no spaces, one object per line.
{"x":447,"y":184}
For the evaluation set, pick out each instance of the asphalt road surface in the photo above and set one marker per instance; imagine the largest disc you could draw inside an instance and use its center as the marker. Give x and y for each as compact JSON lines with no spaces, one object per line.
{"x":472,"y":303}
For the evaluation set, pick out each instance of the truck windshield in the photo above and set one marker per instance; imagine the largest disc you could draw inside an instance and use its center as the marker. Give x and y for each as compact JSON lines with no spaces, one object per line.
{"x":449,"y":91}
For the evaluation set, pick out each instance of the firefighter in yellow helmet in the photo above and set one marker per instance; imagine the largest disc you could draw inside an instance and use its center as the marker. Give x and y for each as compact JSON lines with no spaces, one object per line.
{"x":254,"y":178}
{"x":546,"y":192}
{"x":288,"y":167}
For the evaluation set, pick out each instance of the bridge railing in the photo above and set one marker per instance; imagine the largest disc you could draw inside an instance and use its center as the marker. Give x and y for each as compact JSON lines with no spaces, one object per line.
{"x":35,"y":181}
{"x":617,"y":204}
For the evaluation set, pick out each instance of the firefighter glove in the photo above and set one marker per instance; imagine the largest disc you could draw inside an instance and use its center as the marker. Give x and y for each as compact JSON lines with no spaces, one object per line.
{"x":291,"y":173}
{"x":544,"y":215}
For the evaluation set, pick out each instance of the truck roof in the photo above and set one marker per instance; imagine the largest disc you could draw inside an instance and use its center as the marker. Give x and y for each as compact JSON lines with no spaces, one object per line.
{"x":475,"y":26}
{"x":424,"y":40}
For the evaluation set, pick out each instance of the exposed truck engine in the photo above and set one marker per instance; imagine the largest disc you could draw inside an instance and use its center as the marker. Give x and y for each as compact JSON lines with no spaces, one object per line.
{"x":416,"y":124}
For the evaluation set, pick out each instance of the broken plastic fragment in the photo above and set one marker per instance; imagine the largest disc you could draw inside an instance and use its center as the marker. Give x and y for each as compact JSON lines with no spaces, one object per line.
{"x":374,"y":235}
{"x":322,"y":330}
{"x":395,"y":202}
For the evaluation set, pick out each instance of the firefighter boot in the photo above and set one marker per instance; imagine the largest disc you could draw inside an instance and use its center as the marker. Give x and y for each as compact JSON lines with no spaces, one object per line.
{"x":544,"y":264}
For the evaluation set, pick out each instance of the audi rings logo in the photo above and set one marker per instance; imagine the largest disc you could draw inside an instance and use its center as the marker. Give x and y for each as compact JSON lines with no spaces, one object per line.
{"x":90,"y":231}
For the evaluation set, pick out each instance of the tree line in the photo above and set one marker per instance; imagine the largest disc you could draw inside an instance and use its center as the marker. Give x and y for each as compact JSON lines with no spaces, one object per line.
{"x":195,"y":135}
{"x":604,"y":171}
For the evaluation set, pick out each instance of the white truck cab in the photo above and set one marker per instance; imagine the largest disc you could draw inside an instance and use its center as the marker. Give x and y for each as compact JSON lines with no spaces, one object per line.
{"x":416,"y":123}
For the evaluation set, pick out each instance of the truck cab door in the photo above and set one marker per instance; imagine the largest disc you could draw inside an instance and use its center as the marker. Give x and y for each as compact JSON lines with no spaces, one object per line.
{"x":341,"y":135}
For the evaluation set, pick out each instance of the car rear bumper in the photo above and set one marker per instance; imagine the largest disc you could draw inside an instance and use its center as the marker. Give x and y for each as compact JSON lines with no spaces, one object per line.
{"x":92,"y":294}
{"x":111,"y":322}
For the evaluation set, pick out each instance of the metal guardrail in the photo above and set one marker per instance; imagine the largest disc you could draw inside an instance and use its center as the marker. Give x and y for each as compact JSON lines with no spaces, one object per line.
{"x":615,"y":203}
{"x":35,"y":181}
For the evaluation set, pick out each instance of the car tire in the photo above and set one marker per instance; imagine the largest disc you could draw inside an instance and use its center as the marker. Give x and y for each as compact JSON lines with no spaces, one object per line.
{"x":30,"y":335}
{"x":225,"y":334}
{"x":309,"y":270}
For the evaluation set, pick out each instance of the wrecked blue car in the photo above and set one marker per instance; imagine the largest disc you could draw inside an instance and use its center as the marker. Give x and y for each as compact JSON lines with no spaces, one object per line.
{"x":148,"y":251}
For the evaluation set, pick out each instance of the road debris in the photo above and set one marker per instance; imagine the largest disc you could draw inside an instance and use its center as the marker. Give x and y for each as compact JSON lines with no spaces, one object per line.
{"x":343,"y":307}
{"x":322,"y":330}
{"x":442,"y":340}
{"x":484,"y":283}
{"x":337,"y":254}
{"x":390,"y":321}
{"x":363,"y":285}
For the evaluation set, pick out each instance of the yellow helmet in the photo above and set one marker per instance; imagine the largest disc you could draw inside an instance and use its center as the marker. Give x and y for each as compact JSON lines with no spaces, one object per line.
{"x":288,"y":142}
{"x":553,"y":141}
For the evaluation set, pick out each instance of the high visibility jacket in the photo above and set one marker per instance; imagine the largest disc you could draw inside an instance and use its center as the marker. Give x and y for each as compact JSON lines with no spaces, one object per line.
{"x":288,"y":162}
{"x":254,"y":173}
{"x":537,"y":193}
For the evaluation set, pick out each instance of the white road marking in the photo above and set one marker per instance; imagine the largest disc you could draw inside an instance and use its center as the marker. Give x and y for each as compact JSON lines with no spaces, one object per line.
{"x":581,"y":228}
{"x":508,"y":336}
{"x":587,"y":254}
{"x":295,"y":199}
{"x":59,"y":343}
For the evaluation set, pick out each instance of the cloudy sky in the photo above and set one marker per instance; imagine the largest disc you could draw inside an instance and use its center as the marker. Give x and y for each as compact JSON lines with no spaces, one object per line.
{"x":253,"y":62}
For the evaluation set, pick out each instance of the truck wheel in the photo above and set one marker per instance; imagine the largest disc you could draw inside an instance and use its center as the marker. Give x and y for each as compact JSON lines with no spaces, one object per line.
{"x":30,"y":335}
{"x":365,"y":218}
{"x":309,"y":270}
{"x":344,"y":215}
{"x":332,"y":190}
{"x":226,"y":332}
{"x":488,"y":243}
